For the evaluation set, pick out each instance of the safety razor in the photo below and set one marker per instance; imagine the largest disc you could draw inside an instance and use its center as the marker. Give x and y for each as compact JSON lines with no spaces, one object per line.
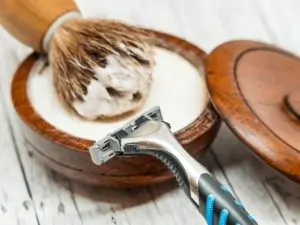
{"x":149,"y":134}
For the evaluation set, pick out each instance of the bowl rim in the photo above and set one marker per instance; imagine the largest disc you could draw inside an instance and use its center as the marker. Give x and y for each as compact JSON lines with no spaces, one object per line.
{"x":192,"y":131}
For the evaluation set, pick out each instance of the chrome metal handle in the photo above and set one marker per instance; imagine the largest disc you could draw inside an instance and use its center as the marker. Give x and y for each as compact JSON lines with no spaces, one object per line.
{"x":209,"y":195}
{"x":155,"y":138}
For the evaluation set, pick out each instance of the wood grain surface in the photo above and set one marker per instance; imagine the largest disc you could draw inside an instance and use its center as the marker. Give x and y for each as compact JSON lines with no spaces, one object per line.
{"x":251,"y":85}
{"x":292,"y":104}
{"x":31,"y":194}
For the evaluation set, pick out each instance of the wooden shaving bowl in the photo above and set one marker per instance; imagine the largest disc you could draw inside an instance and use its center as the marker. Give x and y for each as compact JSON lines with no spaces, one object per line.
{"x":68,"y":155}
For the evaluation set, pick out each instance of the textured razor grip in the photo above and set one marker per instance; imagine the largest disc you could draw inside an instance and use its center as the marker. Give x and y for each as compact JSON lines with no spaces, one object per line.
{"x":214,"y":200}
{"x":176,"y":168}
{"x":168,"y":160}
{"x":219,"y":206}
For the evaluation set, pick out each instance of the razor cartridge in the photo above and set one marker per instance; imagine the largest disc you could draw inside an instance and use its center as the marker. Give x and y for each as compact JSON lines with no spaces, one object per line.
{"x":108,"y":147}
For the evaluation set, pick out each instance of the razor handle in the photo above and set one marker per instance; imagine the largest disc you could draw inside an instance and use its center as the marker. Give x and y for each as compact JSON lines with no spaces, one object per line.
{"x":150,"y":135}
{"x":218,"y":205}
{"x":213,"y":200}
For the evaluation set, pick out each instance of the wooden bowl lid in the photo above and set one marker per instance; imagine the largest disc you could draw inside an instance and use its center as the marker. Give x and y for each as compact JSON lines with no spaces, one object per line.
{"x":255,"y":88}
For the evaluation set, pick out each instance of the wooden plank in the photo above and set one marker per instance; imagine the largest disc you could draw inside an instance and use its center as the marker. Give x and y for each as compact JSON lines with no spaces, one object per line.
{"x":280,"y":23}
{"x":134,"y":206}
{"x":286,"y":196}
{"x":245,"y":173}
{"x":51,"y":196}
{"x":206,"y":23}
{"x":16,"y":206}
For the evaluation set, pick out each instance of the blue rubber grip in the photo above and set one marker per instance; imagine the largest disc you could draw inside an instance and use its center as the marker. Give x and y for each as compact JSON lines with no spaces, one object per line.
{"x":220,"y":207}
{"x":209,"y":209}
{"x":223,"y":217}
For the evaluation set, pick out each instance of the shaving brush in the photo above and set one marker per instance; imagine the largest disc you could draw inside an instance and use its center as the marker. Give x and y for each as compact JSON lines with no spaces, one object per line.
{"x":101,"y":68}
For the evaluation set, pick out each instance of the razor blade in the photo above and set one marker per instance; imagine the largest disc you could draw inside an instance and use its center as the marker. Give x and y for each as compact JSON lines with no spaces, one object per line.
{"x":108,"y":147}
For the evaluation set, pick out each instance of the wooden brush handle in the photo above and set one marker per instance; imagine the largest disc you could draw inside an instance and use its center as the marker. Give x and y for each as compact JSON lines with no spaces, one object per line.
{"x":29,"y":20}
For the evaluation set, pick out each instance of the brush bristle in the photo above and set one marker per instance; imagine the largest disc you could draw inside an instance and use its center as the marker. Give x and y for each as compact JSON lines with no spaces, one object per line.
{"x":82,"y":53}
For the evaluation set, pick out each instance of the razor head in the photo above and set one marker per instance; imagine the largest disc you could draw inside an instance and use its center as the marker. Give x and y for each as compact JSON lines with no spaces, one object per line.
{"x":103,"y":150}
{"x":108,"y":147}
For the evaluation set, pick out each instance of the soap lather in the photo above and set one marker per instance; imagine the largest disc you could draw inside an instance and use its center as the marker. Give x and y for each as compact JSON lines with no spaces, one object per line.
{"x":101,"y":68}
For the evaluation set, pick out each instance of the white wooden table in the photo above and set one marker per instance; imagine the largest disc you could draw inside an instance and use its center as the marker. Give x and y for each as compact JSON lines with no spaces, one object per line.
{"x":34,"y":195}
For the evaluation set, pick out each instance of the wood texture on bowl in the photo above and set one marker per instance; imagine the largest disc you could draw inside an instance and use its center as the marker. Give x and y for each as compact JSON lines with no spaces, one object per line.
{"x":69,"y":156}
{"x":255,"y":88}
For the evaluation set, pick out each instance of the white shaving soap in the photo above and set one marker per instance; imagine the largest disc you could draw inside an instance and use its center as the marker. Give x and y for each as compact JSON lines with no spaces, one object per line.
{"x":177,"y":88}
